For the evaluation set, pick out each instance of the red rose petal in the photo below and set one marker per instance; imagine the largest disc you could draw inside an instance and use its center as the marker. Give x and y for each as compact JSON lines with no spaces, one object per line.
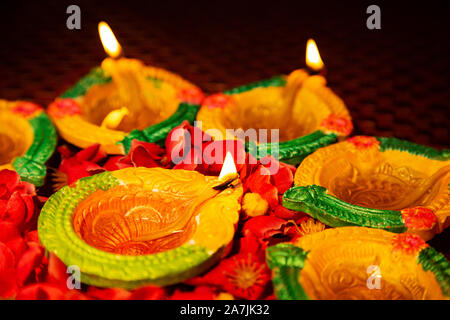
{"x":117,"y":163}
{"x":286,"y":214}
{"x":199,"y":293}
{"x":8,"y":231}
{"x":30,"y":207}
{"x":93,"y":153}
{"x":140,"y":157}
{"x":8,"y":285}
{"x":263,"y":226}
{"x":148,"y":293}
{"x":65,"y":152}
{"x":7,"y":259}
{"x":257,"y":179}
{"x":56,"y":271}
{"x":153,"y":150}
{"x":32,"y":237}
{"x":41,"y":291}
{"x":283,"y":179}
{"x":17,"y":246}
{"x":269,"y":193}
{"x":80,"y":170}
{"x":108,"y":294}
{"x":16,"y":210}
{"x":4,"y":194}
{"x":75,"y":295}
{"x":177,"y":140}
{"x":249,"y":244}
{"x":10,"y":179}
{"x":28,"y":262}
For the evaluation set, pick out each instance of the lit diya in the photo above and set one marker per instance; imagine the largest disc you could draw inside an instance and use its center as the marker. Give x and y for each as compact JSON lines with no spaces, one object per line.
{"x":358,"y":263}
{"x":140,"y":226}
{"x":123,"y":100}
{"x":306,"y":112}
{"x":373,"y":182}
{"x":27,"y":140}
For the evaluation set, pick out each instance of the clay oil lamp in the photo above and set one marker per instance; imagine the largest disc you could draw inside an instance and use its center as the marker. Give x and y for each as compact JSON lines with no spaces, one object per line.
{"x":306,"y":112}
{"x":140,"y":226}
{"x":358,"y":263}
{"x":27,"y":140}
{"x":374,"y":182}
{"x":123,"y":100}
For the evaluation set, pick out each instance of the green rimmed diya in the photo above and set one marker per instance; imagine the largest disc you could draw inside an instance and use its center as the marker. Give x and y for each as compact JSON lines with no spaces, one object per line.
{"x":308,"y":114}
{"x":383,"y":183}
{"x":27,"y":140}
{"x":358,"y":263}
{"x":139,"y":226}
{"x":124,"y":100}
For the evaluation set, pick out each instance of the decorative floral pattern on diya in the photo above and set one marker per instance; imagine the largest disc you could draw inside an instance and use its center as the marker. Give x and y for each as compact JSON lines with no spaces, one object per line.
{"x":373,"y":182}
{"x":306,"y":112}
{"x":124,"y":100}
{"x":140,"y":226}
{"x":27,"y":140}
{"x":358,"y":263}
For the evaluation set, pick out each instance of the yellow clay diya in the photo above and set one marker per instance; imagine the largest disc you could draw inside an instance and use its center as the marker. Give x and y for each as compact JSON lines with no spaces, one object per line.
{"x":358,"y":263}
{"x":306,"y":112}
{"x":123,"y":100}
{"x":373,"y":182}
{"x":27,"y":140}
{"x":140,"y":226}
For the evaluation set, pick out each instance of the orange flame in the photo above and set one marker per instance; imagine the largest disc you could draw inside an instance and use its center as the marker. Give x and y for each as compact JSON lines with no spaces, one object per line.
{"x":228,"y":168}
{"x":313,"y":59}
{"x":110,"y":44}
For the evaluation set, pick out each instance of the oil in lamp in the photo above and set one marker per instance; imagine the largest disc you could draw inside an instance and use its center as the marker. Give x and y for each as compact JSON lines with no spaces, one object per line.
{"x":375,"y":182}
{"x":27,"y":140}
{"x":123,"y":100}
{"x":358,"y":263}
{"x":306,"y":112}
{"x":140,"y":226}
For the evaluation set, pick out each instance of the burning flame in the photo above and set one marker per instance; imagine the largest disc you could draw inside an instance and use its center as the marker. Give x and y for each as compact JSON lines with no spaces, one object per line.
{"x":110,"y":44}
{"x":313,"y":59}
{"x":114,"y":118}
{"x":228,"y":168}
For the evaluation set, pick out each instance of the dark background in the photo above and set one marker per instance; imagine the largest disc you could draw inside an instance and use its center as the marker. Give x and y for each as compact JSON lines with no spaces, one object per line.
{"x":395,"y":81}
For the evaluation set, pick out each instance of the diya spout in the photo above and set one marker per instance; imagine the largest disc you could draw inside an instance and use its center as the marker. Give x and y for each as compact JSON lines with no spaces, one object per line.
{"x":114,"y":118}
{"x":228,"y":178}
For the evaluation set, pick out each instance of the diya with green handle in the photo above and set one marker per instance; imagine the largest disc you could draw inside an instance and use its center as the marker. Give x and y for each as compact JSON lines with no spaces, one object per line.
{"x":123,"y":100}
{"x":306,"y":112}
{"x":383,"y":183}
{"x":139,"y":226}
{"x":358,"y":263}
{"x":27,"y":140}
